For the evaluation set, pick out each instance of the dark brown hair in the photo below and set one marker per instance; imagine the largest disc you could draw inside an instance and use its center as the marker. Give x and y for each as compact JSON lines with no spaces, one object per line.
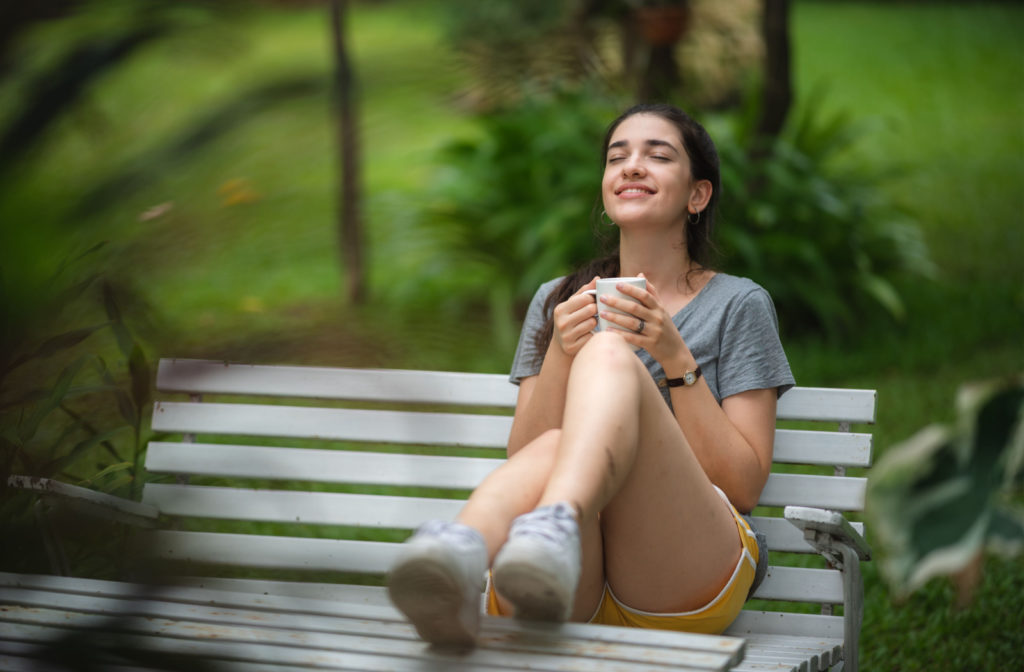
{"x":704,"y":165}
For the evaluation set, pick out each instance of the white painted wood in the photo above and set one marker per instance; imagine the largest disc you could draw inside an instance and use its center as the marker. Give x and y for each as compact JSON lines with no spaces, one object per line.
{"x":753,"y":622}
{"x":298,"y":632}
{"x":269,"y":552}
{"x":376,"y":511}
{"x":211,"y":377}
{"x":299,"y":507}
{"x":427,"y":387}
{"x":318,"y":465}
{"x":376,"y":596}
{"x":800,"y":584}
{"x":845,"y":493}
{"x":784,"y":537}
{"x":831,"y":525}
{"x":827,"y":404}
{"x":338,"y":424}
{"x":846,"y":449}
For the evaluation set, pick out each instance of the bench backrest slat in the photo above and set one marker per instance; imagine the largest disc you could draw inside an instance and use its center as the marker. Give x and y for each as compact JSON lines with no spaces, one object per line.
{"x":417,"y":428}
{"x":370,"y":511}
{"x":323,"y":466}
{"x":337,"y":424}
{"x":415,"y":387}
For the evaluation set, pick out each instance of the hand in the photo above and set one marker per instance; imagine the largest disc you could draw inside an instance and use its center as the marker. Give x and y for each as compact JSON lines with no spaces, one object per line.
{"x":659,"y":336}
{"x":575,"y":319}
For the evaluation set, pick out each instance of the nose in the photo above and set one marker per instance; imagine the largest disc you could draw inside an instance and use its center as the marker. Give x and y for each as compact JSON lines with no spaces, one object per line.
{"x":632,"y":167}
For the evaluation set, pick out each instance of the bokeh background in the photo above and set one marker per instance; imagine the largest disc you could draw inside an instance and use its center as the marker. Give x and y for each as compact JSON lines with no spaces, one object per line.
{"x":385,"y":183}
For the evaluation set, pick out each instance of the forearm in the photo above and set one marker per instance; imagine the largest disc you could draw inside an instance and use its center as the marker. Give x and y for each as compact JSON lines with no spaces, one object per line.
{"x":542,"y":405}
{"x":733,"y":448}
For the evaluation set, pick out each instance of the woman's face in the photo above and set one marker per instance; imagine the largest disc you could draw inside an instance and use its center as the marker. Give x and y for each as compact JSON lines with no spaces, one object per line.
{"x":647,"y":177}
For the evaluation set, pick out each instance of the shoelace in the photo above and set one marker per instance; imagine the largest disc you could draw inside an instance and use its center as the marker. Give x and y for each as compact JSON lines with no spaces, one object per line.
{"x":456,"y":534}
{"x":553,"y":523}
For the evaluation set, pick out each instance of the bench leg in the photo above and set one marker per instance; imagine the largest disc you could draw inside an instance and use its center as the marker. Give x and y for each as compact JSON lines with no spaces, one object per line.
{"x":853,"y":611}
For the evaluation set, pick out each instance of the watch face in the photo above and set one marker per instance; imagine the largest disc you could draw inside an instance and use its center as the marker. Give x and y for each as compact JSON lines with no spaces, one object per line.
{"x":689,"y":377}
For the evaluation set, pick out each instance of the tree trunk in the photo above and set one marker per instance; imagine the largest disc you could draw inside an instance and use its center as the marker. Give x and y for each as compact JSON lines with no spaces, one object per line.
{"x":350,"y":225}
{"x":778,"y":89}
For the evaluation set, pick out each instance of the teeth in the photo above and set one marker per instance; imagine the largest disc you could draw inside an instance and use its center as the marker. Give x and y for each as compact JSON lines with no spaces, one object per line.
{"x":634,"y":191}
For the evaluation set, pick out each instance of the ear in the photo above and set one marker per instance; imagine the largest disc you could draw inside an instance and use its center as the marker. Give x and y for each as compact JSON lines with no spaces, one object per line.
{"x":700,"y":195}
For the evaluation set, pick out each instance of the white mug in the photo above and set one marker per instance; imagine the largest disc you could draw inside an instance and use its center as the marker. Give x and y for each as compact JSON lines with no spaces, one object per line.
{"x":606,"y":287}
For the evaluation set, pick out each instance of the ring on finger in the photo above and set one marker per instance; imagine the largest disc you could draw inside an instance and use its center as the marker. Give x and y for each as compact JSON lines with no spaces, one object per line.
{"x":640,"y":329}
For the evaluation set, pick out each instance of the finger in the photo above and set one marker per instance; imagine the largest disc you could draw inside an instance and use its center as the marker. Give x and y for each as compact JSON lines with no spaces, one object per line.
{"x":628,"y":323}
{"x":651,"y":288}
{"x":590,"y":285}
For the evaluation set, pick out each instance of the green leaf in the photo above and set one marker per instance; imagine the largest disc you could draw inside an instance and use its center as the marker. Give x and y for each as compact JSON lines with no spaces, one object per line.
{"x":82,"y":448}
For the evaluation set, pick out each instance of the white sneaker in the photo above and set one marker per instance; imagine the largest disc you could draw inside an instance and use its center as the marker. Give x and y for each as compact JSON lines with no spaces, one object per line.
{"x":538,"y":568}
{"x":437,"y":581}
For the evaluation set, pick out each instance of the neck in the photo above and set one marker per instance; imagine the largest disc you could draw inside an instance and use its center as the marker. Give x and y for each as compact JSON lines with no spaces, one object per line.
{"x":663,"y":261}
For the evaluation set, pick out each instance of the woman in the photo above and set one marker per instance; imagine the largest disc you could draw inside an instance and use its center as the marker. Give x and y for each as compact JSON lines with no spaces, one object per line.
{"x":614,"y":506}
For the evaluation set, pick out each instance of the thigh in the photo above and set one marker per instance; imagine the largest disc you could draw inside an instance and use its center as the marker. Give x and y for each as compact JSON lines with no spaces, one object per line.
{"x":670,"y":540}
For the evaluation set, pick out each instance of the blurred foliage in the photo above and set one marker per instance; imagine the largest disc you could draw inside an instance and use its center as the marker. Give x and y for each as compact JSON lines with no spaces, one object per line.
{"x":52,"y":383}
{"x":72,"y":408}
{"x":512,"y":211}
{"x":823,"y":237}
{"x":946,"y":495}
{"x":511,"y":207}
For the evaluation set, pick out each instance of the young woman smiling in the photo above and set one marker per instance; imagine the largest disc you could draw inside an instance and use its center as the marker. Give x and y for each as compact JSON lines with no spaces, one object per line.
{"x":628,"y":469}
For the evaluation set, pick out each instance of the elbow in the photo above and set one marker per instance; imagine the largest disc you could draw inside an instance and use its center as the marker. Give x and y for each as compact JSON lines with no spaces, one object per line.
{"x":747,"y":495}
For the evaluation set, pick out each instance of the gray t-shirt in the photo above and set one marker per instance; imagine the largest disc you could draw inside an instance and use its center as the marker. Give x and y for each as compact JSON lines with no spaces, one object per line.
{"x":730,"y":327}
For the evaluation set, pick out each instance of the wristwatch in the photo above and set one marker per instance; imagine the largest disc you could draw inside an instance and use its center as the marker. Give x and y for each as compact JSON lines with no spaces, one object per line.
{"x":689,"y":378}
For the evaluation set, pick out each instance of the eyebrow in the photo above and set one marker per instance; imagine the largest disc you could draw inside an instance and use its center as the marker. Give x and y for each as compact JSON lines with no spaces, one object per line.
{"x":649,"y":143}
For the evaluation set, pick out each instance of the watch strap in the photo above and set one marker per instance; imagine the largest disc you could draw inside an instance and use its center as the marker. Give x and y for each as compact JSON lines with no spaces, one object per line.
{"x":681,"y":382}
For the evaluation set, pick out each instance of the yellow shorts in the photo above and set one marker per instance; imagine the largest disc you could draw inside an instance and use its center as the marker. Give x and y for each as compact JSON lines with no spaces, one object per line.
{"x":712,"y":618}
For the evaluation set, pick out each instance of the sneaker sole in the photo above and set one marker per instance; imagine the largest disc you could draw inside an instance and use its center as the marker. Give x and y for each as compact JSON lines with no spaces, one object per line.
{"x":536,"y":597}
{"x":430,"y":598}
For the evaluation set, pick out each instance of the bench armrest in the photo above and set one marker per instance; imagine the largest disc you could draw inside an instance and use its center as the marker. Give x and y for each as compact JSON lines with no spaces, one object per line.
{"x":825,"y":530}
{"x":89,"y":502}
{"x":844,"y":547}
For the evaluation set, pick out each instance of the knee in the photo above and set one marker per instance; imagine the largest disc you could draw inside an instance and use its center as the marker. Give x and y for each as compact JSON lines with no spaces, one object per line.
{"x":609,"y":351}
{"x":542,"y":449}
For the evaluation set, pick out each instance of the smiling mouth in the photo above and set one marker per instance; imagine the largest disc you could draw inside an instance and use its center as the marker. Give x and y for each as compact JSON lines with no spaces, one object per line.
{"x":634,"y":190}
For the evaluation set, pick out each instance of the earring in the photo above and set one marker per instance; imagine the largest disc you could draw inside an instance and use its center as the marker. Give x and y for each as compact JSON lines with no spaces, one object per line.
{"x":606,"y":220}
{"x":691,"y":220}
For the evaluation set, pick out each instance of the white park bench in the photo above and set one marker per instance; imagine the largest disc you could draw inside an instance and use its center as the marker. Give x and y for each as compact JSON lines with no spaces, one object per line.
{"x":318,"y":473}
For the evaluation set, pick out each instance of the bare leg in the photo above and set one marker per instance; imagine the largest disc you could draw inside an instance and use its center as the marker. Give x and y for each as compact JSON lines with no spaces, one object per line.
{"x":514,"y":489}
{"x":670,"y":542}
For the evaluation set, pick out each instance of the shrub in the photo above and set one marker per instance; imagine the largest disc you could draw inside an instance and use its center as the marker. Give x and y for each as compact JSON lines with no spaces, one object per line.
{"x":819,"y":234}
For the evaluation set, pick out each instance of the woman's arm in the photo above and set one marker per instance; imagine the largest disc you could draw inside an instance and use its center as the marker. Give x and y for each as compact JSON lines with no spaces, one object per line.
{"x":733,"y":442}
{"x":541,"y":399}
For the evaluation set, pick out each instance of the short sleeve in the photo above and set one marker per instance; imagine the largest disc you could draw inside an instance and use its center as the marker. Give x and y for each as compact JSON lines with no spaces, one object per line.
{"x":752,"y":356}
{"x":527,"y":360}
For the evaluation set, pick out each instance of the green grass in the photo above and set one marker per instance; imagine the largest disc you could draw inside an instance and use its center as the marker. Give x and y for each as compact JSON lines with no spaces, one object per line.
{"x":937,"y":88}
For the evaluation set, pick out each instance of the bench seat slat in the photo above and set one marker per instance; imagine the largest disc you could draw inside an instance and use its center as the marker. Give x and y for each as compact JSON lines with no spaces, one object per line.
{"x":322,"y":466}
{"x":339,"y":424}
